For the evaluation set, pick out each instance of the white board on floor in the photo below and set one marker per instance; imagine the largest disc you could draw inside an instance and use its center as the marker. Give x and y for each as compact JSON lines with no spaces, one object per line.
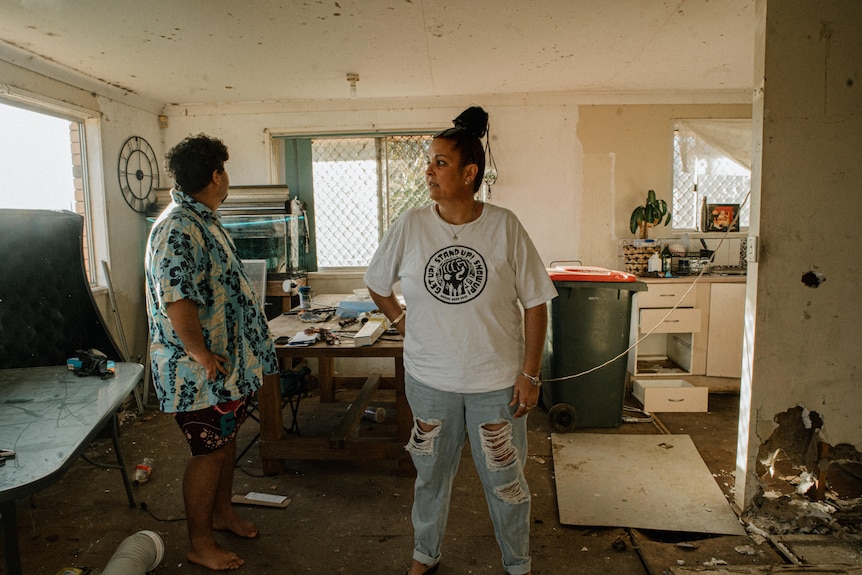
{"x":641,"y":481}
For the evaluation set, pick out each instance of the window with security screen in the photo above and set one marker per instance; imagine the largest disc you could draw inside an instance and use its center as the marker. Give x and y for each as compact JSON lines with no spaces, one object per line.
{"x":709,"y":166}
{"x":356,"y":187}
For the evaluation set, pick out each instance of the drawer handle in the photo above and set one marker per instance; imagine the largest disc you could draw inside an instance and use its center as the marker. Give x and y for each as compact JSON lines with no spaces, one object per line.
{"x":671,"y":321}
{"x":675,"y":400}
{"x":667,"y":295}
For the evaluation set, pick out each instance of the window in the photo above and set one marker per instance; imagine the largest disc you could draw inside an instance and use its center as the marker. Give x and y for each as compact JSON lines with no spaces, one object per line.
{"x":711,"y":162}
{"x":42,"y":165}
{"x":354,"y":187}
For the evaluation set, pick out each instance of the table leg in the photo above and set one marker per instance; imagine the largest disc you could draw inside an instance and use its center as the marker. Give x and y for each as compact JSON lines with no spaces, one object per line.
{"x":10,"y":538}
{"x":326,"y":371}
{"x":271,"y":419}
{"x":404,"y":421}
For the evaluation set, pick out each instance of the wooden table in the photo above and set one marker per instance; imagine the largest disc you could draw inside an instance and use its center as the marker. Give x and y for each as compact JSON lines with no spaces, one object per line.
{"x":275,"y":446}
{"x":49,"y":415}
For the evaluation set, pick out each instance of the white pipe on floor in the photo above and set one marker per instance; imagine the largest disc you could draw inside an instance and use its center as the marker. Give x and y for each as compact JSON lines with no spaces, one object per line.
{"x":136,"y":555}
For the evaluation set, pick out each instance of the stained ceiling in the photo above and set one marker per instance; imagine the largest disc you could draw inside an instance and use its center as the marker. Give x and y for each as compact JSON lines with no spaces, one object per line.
{"x":227,"y":51}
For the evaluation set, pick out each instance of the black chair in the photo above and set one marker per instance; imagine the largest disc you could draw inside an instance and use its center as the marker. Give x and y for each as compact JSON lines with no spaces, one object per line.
{"x":294,"y":384}
{"x":47,"y":311}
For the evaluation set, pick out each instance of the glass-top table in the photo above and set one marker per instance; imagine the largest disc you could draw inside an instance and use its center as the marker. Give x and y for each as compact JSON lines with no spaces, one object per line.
{"x":48,"y":416}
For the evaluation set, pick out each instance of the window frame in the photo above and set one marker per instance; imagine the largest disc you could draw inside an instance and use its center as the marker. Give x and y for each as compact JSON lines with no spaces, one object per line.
{"x":298,"y":181}
{"x":729,"y":145}
{"x":91,"y":204}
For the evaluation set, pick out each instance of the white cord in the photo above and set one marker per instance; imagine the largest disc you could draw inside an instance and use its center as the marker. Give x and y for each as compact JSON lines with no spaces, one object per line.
{"x":676,"y":305}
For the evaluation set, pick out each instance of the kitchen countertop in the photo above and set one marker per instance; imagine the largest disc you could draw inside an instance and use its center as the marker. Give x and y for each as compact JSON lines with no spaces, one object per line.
{"x":705,"y":278}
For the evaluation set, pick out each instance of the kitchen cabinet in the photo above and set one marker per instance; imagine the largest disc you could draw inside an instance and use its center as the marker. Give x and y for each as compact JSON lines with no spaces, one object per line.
{"x":726,"y":325}
{"x":671,"y":320}
{"x":686,"y":329}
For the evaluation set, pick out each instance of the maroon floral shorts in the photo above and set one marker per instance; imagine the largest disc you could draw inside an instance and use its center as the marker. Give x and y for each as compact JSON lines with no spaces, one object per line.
{"x":209,"y":429}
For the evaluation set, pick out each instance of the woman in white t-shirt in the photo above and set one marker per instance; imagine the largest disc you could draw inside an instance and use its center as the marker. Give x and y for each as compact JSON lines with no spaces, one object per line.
{"x":476,"y":291}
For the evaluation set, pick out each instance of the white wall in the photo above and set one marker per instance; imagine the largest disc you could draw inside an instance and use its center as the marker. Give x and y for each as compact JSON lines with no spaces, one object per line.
{"x":533,"y":146}
{"x":802,"y":343}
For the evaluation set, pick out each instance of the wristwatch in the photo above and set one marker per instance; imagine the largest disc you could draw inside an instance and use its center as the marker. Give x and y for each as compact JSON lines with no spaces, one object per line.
{"x":534,"y":379}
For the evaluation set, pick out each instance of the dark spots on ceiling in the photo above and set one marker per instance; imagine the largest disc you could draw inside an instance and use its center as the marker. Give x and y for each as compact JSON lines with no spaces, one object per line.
{"x":117,"y":85}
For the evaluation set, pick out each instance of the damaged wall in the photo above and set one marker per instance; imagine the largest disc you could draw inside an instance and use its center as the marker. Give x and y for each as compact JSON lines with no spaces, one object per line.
{"x":795,"y":460}
{"x":801,"y":336}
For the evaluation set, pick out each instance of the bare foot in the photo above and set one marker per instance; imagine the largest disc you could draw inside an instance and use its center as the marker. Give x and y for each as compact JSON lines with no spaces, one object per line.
{"x":215,"y":558}
{"x":231,"y":521}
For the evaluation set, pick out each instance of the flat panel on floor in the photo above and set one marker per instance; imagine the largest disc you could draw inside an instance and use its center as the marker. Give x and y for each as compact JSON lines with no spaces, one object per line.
{"x":642,"y":481}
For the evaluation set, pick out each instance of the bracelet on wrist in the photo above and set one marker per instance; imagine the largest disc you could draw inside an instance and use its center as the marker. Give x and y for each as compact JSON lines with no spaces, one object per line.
{"x":398,"y":319}
{"x":534,"y":379}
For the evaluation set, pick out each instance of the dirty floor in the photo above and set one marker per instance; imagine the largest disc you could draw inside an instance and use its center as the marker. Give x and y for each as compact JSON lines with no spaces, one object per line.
{"x":354,"y":517}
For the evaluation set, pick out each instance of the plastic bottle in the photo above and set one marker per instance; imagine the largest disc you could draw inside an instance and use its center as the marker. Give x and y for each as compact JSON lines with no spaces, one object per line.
{"x":375,"y":414}
{"x":305,"y":297}
{"x":654,"y":263}
{"x":143,"y":471}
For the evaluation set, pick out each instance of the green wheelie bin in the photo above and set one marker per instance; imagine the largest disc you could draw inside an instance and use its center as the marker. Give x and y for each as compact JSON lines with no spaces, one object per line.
{"x":584,"y":362}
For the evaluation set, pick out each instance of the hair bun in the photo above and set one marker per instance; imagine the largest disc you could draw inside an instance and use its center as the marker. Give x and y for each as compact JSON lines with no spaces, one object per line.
{"x":473,"y":120}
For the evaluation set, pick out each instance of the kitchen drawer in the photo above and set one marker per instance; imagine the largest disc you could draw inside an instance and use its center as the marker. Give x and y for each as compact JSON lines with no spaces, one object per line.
{"x":666,"y":395}
{"x":667,"y":295}
{"x":685,"y":320}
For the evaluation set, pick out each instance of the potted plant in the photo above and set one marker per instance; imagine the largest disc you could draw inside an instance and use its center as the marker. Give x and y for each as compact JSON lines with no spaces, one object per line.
{"x":648,"y":215}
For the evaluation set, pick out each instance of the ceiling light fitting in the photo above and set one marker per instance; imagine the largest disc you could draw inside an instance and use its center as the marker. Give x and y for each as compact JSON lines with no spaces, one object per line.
{"x":352,"y":79}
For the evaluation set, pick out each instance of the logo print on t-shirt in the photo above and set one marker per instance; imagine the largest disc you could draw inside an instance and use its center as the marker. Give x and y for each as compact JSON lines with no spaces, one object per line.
{"x":456,"y":274}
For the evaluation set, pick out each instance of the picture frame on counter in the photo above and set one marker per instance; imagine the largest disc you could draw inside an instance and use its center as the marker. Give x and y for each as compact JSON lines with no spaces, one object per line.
{"x":722,"y":218}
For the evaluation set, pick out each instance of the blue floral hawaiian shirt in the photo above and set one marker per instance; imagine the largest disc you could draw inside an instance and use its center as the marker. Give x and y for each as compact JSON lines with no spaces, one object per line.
{"x":191,"y":256}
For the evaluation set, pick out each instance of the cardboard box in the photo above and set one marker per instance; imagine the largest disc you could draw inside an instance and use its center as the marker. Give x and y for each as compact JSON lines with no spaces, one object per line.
{"x":369,"y":332}
{"x":670,"y":395}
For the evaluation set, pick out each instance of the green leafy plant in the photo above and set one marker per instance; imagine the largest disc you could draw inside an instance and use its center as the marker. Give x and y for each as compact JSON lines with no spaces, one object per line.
{"x":648,"y":215}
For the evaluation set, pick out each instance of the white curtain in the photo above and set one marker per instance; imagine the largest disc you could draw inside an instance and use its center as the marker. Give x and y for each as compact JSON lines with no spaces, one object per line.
{"x":732,"y":138}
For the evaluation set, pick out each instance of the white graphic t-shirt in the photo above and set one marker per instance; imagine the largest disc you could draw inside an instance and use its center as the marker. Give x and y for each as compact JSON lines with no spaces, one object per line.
{"x":465,"y":325}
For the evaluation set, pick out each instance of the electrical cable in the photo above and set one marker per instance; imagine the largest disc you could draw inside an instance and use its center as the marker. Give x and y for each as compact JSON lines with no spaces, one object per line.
{"x":250,"y":474}
{"x":676,"y":305}
{"x":145,"y":507}
{"x":647,"y":416}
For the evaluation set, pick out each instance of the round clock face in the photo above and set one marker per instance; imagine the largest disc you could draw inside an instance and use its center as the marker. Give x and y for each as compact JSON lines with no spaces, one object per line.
{"x":138,"y":170}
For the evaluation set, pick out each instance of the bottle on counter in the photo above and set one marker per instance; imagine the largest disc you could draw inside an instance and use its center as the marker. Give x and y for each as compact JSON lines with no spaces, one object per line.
{"x":143,"y":471}
{"x":666,"y":261}
{"x":654,"y":263}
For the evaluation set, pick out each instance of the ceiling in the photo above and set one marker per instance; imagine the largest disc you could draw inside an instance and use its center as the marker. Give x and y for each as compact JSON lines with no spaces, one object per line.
{"x":226,"y":51}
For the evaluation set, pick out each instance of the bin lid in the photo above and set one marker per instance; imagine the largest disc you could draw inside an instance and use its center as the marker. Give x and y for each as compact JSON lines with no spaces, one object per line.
{"x":588,"y":274}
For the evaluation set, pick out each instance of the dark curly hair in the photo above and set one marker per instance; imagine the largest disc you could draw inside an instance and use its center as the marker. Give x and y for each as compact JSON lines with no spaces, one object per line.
{"x":470,"y":126}
{"x":193,"y":161}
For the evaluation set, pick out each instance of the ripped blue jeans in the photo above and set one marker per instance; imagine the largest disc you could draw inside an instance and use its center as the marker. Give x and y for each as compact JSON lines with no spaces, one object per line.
{"x":498,"y":443}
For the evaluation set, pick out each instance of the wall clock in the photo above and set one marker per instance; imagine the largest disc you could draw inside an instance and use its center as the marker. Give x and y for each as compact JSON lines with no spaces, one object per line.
{"x":138,"y":171}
